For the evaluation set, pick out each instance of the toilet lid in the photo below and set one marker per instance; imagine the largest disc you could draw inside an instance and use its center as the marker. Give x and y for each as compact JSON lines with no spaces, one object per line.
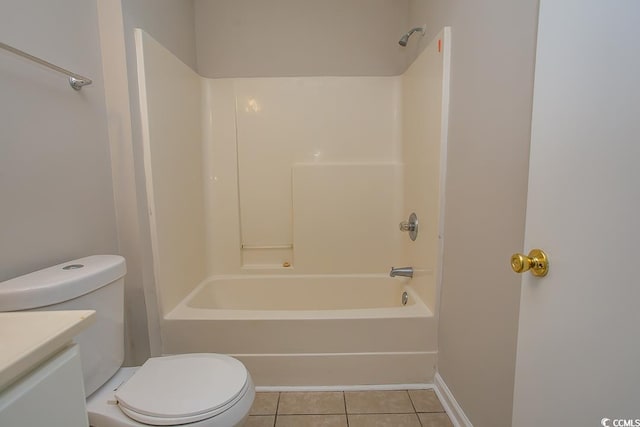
{"x":182,"y":388}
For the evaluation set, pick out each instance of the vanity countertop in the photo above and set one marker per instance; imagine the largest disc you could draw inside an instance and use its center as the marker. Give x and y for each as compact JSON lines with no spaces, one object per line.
{"x":27,"y":338}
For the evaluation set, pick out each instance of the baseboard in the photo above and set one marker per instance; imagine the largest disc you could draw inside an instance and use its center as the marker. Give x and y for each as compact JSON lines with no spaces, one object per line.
{"x":455,"y":412}
{"x":365,"y":387}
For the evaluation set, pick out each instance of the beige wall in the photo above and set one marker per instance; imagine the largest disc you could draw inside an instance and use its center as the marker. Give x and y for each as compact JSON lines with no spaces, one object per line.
{"x":55,"y":174}
{"x":493,"y":45}
{"x":255,"y":38}
{"x":170,"y":22}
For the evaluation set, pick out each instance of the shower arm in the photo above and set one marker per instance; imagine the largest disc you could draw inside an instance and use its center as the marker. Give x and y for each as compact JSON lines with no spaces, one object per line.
{"x":418,"y":29}
{"x":405,"y":38}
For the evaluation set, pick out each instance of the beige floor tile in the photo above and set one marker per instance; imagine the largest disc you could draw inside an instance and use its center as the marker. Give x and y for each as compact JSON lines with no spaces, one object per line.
{"x":378,"y":402}
{"x":260,"y":421}
{"x":435,"y":420}
{"x":265,"y":404}
{"x":384,"y":420}
{"x":425,"y":401}
{"x":311,"y":421}
{"x":324,"y":402}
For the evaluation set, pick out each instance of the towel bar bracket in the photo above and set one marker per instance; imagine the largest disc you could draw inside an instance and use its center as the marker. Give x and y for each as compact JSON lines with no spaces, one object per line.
{"x":78,"y":83}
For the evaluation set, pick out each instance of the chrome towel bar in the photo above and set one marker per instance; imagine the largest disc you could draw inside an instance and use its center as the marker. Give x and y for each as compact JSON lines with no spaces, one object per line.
{"x":75,"y":80}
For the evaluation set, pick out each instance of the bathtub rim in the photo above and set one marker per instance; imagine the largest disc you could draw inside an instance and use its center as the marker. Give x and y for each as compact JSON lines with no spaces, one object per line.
{"x":184,"y":311}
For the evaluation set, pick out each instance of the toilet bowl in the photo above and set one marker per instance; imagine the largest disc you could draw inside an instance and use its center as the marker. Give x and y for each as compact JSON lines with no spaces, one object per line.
{"x":175,"y":390}
{"x":194,"y":390}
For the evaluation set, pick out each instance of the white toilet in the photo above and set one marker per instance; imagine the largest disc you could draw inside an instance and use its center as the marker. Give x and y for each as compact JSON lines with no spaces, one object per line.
{"x":195,"y":390}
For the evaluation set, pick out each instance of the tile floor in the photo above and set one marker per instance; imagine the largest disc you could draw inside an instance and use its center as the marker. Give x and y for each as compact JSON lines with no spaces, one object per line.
{"x":402,"y":408}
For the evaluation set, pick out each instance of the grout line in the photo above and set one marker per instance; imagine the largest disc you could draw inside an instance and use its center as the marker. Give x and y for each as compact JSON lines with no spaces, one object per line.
{"x":388,"y":413}
{"x":275,"y":418}
{"x":344,"y":400}
{"x":412,"y":404}
{"x":415,"y":411}
{"x":315,"y":413}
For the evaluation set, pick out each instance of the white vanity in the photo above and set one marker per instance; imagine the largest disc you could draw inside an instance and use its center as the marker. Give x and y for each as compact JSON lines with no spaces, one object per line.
{"x":40,"y":372}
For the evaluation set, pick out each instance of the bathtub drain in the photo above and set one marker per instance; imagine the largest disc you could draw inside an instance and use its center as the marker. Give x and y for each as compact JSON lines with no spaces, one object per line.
{"x":405,"y":298}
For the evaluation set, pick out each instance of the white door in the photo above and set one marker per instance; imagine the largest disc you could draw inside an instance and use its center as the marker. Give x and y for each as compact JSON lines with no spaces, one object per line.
{"x":578,"y":360}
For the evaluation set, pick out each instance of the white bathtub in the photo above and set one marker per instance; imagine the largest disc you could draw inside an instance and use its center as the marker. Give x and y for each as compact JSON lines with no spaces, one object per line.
{"x":311,"y":330}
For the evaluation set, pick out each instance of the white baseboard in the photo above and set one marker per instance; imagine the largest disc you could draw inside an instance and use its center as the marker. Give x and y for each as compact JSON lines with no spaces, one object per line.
{"x":455,"y":412}
{"x":365,"y":387}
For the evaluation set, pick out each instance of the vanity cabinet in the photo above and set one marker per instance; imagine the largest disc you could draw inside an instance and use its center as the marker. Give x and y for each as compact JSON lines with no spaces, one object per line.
{"x":51,"y":395}
{"x":41,"y":382}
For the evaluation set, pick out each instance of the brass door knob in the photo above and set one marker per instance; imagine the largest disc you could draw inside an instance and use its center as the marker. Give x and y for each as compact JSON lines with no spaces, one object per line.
{"x":537,"y":262}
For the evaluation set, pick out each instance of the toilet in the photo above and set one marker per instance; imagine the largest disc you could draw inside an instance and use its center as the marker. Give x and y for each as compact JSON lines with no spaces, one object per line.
{"x":191,"y":390}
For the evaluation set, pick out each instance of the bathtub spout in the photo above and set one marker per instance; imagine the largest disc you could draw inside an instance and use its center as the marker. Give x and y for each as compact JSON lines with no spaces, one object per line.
{"x":401,"y":271}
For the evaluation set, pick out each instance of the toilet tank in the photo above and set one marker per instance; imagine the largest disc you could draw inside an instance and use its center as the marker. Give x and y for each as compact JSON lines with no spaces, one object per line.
{"x":91,"y":283}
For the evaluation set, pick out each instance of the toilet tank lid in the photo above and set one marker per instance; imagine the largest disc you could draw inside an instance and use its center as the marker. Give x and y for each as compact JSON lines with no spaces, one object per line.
{"x":61,"y":282}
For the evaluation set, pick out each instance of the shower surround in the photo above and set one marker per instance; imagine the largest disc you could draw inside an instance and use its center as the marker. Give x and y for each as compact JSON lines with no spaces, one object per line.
{"x":266,"y":191}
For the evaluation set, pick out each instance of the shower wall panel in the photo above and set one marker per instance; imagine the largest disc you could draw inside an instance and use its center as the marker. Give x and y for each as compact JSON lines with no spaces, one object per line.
{"x":220,"y":157}
{"x":170,"y":107}
{"x":280,"y":122}
{"x":345,"y":217}
{"x":424,"y":127}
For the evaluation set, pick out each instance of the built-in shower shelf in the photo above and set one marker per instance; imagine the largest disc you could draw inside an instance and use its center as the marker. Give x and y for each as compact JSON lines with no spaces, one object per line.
{"x":285,"y":246}
{"x":266,"y":268}
{"x":267,"y":257}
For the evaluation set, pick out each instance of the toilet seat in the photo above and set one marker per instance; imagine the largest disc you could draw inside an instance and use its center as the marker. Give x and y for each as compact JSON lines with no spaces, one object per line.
{"x":182,"y":389}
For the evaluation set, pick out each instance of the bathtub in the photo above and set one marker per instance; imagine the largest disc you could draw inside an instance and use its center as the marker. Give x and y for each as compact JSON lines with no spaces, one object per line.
{"x":309,"y":330}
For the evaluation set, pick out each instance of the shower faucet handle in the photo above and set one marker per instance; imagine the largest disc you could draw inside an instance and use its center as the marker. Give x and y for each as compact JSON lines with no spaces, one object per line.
{"x":411,"y":226}
{"x":407,"y":226}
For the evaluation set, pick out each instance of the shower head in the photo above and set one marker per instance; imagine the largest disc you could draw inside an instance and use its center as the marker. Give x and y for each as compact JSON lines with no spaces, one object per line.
{"x":405,"y":38}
